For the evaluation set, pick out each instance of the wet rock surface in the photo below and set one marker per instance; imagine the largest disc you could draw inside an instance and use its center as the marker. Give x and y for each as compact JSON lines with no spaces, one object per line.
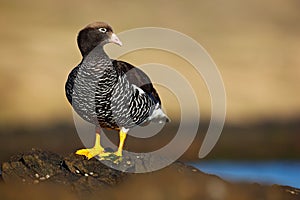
{"x":40,"y":174}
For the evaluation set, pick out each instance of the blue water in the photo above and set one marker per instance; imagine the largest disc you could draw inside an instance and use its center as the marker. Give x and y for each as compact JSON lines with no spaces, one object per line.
{"x":270,"y":172}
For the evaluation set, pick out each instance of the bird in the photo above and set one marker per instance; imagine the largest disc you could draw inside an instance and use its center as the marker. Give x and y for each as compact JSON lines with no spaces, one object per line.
{"x":110,"y":93}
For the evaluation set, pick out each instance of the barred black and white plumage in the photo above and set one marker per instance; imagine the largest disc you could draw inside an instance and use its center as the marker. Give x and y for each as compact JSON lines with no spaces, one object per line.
{"x":110,"y":93}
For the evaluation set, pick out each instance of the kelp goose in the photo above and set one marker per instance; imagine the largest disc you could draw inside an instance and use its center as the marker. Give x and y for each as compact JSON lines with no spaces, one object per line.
{"x":109,"y":93}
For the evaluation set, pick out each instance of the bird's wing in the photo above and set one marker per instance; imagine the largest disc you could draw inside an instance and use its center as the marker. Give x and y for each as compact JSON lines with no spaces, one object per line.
{"x":137,"y":77}
{"x":70,"y":83}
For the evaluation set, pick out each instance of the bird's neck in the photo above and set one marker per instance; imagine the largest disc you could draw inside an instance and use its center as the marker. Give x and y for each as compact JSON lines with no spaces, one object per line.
{"x":96,"y":52}
{"x":97,"y":60}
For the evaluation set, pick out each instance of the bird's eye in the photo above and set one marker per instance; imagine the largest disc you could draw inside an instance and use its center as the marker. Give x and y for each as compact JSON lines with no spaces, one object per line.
{"x":102,"y":30}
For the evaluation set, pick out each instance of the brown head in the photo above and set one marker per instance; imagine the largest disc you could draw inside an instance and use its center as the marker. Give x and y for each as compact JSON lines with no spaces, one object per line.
{"x":98,"y":33}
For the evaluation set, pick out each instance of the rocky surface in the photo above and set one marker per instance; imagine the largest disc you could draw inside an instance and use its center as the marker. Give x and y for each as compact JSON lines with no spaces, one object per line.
{"x":40,"y":174}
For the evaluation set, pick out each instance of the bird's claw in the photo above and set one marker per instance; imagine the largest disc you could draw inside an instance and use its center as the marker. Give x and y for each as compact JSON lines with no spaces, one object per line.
{"x":90,"y":153}
{"x":115,"y":157}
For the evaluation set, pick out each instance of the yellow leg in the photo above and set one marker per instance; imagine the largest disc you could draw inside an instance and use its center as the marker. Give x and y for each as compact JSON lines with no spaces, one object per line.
{"x":97,"y":150}
{"x":122,"y":135}
{"x":116,"y":157}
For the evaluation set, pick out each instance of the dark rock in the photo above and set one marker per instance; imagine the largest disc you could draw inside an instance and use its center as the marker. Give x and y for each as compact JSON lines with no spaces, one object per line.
{"x":37,"y":166}
{"x":30,"y":166}
{"x":74,"y":177}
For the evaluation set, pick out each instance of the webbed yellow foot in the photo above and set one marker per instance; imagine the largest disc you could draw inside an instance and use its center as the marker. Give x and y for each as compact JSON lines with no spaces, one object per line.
{"x":117,"y":156}
{"x":114,"y":157}
{"x":97,"y":150}
{"x":90,"y":153}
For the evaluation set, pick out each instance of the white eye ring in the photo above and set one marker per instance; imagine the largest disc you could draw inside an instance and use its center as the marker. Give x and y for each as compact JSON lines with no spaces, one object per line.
{"x":102,"y":30}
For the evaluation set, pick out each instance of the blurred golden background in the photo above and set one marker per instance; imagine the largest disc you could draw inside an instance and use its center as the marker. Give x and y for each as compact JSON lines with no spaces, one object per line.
{"x":255,"y":44}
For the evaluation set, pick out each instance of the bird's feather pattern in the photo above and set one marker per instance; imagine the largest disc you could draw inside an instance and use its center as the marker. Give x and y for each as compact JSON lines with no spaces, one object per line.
{"x":137,"y":77}
{"x":115,"y":100}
